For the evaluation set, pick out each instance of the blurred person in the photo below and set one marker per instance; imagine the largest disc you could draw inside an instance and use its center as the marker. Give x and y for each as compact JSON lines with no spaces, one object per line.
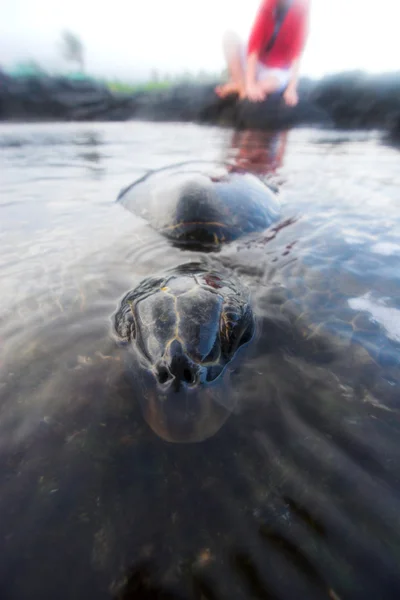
{"x":271,"y":61}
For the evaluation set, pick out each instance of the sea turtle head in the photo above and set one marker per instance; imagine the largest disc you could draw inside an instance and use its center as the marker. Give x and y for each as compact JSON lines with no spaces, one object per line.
{"x":184,"y":331}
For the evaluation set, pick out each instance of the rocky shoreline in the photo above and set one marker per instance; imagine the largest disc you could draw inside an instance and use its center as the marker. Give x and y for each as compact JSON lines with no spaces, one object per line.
{"x":344,"y":101}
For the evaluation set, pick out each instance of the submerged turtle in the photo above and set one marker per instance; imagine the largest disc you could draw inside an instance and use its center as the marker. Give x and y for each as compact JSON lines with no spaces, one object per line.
{"x":186,"y":326}
{"x":184,"y":330}
{"x":202,"y":204}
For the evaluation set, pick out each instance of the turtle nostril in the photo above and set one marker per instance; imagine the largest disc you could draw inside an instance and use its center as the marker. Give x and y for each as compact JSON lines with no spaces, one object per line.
{"x":183,"y":369}
{"x":163,"y":375}
{"x":188,"y":376}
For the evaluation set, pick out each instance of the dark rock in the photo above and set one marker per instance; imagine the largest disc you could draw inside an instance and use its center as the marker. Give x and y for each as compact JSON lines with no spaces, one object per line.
{"x":274,"y":114}
{"x":350,"y":100}
{"x":199,"y":103}
{"x":359,"y":101}
{"x":59,"y":98}
{"x":178,"y":103}
{"x":393,"y":134}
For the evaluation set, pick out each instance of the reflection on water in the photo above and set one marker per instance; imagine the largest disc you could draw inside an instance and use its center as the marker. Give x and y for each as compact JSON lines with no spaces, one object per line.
{"x":259,"y":152}
{"x":297,"y":495}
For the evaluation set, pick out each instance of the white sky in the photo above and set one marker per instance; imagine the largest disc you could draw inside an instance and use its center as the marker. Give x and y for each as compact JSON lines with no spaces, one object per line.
{"x":125,"y":38}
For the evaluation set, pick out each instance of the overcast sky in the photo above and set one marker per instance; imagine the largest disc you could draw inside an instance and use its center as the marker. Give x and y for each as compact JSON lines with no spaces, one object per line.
{"x":127,"y":37}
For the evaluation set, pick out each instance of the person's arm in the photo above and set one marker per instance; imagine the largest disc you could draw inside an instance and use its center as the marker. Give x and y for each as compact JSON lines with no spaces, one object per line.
{"x":294,"y":74}
{"x":290,"y":93}
{"x":251,"y":69}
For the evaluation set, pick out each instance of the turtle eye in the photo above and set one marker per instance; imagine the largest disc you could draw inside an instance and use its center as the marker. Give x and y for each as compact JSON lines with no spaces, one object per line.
{"x":131,"y":322}
{"x":124,"y":323}
{"x":230,"y":331}
{"x":237,"y":328}
{"x":132,"y":329}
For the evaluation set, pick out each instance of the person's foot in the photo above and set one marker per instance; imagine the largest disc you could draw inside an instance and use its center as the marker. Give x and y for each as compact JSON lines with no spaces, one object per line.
{"x":229,"y":88}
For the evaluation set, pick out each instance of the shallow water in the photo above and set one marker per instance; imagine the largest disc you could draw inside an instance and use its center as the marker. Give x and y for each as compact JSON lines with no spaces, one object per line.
{"x":297,"y":496}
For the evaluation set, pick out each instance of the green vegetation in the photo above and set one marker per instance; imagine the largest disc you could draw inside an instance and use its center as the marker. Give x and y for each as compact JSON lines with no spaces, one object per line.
{"x":160,"y":81}
{"x":123,"y":87}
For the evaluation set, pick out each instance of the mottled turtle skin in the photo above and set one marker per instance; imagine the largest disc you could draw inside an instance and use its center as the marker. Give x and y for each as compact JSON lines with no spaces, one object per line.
{"x":202,"y":204}
{"x":184,"y":330}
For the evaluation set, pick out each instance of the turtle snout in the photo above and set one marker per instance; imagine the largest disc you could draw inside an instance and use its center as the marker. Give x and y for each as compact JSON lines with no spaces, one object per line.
{"x":178,"y":368}
{"x":183,"y":369}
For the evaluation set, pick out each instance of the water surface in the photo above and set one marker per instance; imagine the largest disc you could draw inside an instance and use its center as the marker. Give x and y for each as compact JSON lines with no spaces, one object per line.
{"x":297,"y":496}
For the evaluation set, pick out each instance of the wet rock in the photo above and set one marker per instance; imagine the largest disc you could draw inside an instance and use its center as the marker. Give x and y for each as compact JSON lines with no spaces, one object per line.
{"x":59,"y":98}
{"x":351,"y":100}
{"x":356,"y":100}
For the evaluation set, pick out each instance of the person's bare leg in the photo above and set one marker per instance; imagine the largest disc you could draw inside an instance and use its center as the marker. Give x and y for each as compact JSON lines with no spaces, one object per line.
{"x":268,"y":85}
{"x":235,"y":85}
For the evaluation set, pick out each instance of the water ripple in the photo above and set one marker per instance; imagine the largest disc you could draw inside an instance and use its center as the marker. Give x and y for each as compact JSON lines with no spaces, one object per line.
{"x":297,"y":496}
